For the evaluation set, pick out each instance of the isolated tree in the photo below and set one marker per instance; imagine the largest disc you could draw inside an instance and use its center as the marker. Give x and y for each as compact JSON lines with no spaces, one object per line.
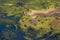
{"x":21,"y":2}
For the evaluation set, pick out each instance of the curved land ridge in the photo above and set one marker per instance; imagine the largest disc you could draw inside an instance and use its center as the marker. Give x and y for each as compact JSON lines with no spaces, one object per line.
{"x":45,"y":11}
{"x":49,"y":12}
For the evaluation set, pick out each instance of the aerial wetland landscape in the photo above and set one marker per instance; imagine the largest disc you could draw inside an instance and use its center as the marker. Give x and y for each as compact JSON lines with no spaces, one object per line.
{"x":29,"y":19}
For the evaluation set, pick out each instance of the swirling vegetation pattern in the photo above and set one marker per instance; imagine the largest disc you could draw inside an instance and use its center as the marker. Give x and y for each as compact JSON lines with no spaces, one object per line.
{"x":29,"y":19}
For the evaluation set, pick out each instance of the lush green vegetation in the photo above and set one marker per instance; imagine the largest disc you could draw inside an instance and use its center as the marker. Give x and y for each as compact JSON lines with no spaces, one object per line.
{"x":14,"y":17}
